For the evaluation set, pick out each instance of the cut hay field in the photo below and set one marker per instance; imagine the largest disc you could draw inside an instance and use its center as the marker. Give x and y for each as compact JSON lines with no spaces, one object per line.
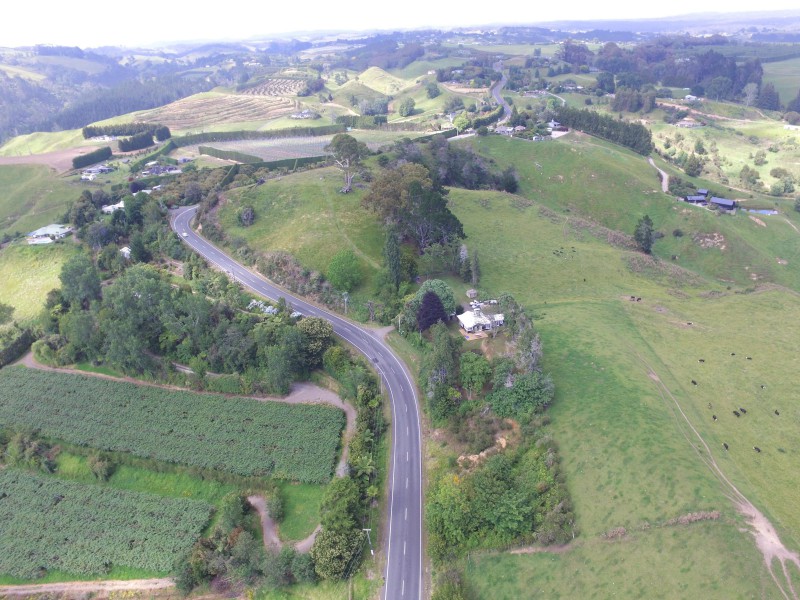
{"x":278,"y":86}
{"x":32,"y":196}
{"x":202,"y":111}
{"x":17,"y":71}
{"x":28,"y":273}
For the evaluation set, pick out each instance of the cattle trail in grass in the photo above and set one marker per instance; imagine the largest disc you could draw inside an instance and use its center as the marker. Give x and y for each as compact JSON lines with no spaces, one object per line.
{"x":766,"y":537}
{"x":236,"y":435}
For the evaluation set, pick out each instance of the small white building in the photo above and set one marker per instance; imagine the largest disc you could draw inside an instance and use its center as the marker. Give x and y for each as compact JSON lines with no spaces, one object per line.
{"x":111,"y":208}
{"x":126,"y":252}
{"x":48,"y":234}
{"x":473,"y":321}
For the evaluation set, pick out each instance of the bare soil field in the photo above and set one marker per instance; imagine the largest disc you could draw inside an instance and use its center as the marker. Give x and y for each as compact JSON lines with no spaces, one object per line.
{"x":205,"y":109}
{"x":280,"y":86}
{"x":60,"y":161}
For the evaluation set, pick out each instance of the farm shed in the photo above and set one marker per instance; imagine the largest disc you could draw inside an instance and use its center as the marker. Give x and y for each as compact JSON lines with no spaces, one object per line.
{"x":723,"y":203}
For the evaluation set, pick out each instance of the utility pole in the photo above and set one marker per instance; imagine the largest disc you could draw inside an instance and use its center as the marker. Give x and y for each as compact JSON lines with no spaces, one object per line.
{"x":371,"y":551}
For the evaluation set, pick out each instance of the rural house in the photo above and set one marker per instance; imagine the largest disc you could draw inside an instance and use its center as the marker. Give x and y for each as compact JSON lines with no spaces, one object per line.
{"x":473,"y":321}
{"x":49,"y":233}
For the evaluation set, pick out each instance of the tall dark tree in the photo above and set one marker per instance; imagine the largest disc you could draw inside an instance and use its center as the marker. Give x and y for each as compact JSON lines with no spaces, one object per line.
{"x":391,"y":254}
{"x":430,"y":311}
{"x":643,"y":234}
{"x":769,"y":99}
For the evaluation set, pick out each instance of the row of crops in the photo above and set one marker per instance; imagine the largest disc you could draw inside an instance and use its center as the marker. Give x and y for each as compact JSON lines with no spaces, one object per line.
{"x":235,"y":435}
{"x":47,"y":524}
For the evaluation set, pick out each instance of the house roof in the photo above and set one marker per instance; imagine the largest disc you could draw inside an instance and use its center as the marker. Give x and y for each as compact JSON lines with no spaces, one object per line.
{"x":469,"y":319}
{"x":703,"y":192}
{"x":54,"y":229}
{"x":695,"y":198}
{"x":723,"y":202}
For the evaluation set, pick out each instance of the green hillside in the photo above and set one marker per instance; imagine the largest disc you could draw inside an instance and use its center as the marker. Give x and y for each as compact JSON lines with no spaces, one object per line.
{"x":28,"y":273}
{"x":626,"y":412}
{"x":32,"y":197}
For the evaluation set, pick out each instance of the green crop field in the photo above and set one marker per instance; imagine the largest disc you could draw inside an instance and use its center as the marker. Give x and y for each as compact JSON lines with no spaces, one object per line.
{"x":28,"y":273}
{"x":32,"y":197}
{"x":237,"y":435}
{"x":49,"y":524}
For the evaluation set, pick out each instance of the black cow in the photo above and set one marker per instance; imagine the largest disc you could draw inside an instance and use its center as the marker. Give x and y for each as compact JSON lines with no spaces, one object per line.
{"x":777,"y":413}
{"x":694,"y":382}
{"x":757,"y":449}
{"x":763,"y":387}
{"x":701,"y":360}
{"x":743,"y":411}
{"x":714,"y":417}
{"x":724,"y":445}
{"x":733,"y":353}
{"x":748,"y":358}
{"x":736,"y":412}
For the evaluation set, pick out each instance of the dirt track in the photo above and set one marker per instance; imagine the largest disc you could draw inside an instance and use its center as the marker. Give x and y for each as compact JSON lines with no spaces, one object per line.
{"x":82,"y":588}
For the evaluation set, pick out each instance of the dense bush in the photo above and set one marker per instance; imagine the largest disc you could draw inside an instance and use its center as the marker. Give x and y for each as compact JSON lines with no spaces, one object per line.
{"x":96,"y":156}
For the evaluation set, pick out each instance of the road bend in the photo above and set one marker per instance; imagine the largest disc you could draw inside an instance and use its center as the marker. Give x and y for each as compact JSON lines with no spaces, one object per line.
{"x":403,"y":539}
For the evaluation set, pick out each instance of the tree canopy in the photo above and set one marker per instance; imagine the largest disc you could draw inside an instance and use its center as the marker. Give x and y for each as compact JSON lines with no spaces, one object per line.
{"x":346,"y":153}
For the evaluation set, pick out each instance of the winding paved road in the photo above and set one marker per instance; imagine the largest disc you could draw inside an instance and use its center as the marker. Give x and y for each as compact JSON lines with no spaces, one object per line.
{"x":497,"y":88}
{"x":403,"y":541}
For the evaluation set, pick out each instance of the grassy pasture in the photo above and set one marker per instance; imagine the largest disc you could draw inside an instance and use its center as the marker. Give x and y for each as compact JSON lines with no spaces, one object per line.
{"x":17,"y":71}
{"x":628,"y":463}
{"x":785,"y":76}
{"x":623,"y":444}
{"x":418,"y":68}
{"x":42,"y":141}
{"x":305,"y":215}
{"x":28,"y":273}
{"x":79,"y":64}
{"x":580,"y":175}
{"x":32,"y":197}
{"x":383,"y":82}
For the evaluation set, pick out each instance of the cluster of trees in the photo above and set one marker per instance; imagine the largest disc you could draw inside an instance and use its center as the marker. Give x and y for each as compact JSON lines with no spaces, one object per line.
{"x":631,"y":135}
{"x":407,"y":200}
{"x":231,"y":556}
{"x":161,"y":132}
{"x":450,"y":165}
{"x":136,"y":142}
{"x":90,"y":158}
{"x":128,"y":96}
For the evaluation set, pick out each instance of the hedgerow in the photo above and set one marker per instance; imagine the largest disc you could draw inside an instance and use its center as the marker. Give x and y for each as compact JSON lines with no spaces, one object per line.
{"x":235,"y":435}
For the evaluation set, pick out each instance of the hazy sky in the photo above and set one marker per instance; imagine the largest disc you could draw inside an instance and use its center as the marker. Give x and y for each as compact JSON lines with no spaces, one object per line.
{"x":89,"y":23}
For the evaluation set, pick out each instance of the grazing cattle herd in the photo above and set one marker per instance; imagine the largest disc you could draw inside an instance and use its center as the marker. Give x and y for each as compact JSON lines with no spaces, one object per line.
{"x":738,"y":413}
